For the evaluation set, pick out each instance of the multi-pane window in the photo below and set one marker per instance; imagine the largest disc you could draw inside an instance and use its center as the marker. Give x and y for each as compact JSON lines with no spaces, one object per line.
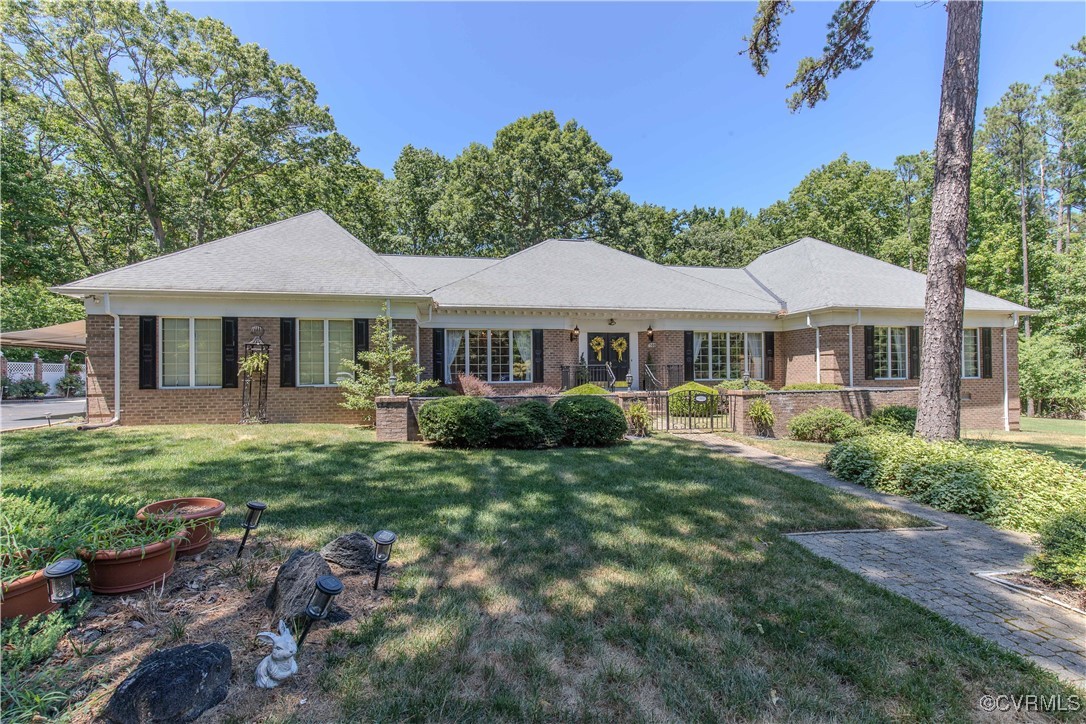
{"x":891,"y":353}
{"x":494,"y":355}
{"x":971,"y":352}
{"x":726,"y":355}
{"x":325,"y":350}
{"x":191,"y":352}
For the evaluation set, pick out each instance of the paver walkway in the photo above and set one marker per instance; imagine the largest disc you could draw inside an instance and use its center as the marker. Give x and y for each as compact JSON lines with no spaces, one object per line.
{"x":936,"y":568}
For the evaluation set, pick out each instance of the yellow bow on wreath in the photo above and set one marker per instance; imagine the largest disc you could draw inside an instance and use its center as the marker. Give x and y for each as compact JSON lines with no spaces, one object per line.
{"x":618,"y":344}
{"x":597,"y":346}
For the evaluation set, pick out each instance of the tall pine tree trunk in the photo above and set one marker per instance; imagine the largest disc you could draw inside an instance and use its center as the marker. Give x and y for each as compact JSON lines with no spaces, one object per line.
{"x":939,"y":403}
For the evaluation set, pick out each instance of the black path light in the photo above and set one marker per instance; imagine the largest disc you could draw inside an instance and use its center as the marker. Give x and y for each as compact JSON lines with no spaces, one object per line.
{"x":320,"y":603}
{"x":392,"y":384}
{"x":60,"y":577}
{"x":252,"y":520}
{"x":383,"y":540}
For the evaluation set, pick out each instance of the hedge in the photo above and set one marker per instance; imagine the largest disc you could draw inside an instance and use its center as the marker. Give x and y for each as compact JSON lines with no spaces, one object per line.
{"x":459,"y":421}
{"x":586,"y":389}
{"x":738,"y":385}
{"x":680,"y":400}
{"x":528,"y":425}
{"x":824,"y":424}
{"x":894,"y":418}
{"x":1004,"y":486}
{"x":590,"y":421}
{"x":1062,"y":559}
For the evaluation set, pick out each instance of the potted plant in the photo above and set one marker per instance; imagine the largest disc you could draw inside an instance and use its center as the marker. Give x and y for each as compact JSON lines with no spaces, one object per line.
{"x":200,"y":515}
{"x":28,"y":542}
{"x":125,"y":555}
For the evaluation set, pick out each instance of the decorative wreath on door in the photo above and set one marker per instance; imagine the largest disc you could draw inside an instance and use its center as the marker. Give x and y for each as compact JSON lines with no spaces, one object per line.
{"x":597,"y":343}
{"x":619,"y":345}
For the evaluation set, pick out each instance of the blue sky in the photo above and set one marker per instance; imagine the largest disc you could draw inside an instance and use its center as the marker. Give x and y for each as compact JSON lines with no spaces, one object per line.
{"x":660,"y":86}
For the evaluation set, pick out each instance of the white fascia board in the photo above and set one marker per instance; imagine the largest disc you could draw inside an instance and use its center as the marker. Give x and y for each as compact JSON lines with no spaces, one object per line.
{"x":889,"y":318}
{"x":250,"y":305}
{"x":594,"y":320}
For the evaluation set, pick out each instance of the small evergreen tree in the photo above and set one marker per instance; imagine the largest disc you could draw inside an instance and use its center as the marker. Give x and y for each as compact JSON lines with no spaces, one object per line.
{"x":388,"y":353}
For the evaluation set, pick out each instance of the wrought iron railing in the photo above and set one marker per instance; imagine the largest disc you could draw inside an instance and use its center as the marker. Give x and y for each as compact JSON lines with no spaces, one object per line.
{"x":596,"y":374}
{"x":662,"y":376}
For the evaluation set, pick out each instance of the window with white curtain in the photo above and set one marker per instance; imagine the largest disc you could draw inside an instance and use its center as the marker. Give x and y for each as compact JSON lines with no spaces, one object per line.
{"x":891,"y":353}
{"x":325,"y":350}
{"x":971,"y":352}
{"x":493,"y":355}
{"x":726,"y":355}
{"x":191,"y":352}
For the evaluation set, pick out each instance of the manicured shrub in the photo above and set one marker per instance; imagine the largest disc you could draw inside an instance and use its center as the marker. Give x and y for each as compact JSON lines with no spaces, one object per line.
{"x":1062,"y":559}
{"x":590,"y":421}
{"x":894,"y":418}
{"x":680,"y":400}
{"x":69,"y":385}
{"x":27,"y":389}
{"x":761,"y":414}
{"x":824,"y":424}
{"x":639,"y":419}
{"x":538,"y":414}
{"x":812,"y":386}
{"x":1004,"y":486}
{"x":441,"y":392}
{"x":518,"y":432}
{"x":586,"y":389}
{"x":459,"y":421}
{"x":472,"y":386}
{"x":538,"y":391}
{"x":738,"y":385}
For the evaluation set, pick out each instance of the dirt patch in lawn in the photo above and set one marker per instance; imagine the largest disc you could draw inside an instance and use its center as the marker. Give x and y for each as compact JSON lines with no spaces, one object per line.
{"x":212,"y":598}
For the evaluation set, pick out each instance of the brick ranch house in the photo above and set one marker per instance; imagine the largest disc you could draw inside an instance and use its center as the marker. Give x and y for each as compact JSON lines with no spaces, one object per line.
{"x":164,"y":335}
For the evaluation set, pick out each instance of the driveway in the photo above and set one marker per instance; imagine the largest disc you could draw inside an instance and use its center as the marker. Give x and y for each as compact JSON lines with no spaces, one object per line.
{"x":18,"y":414}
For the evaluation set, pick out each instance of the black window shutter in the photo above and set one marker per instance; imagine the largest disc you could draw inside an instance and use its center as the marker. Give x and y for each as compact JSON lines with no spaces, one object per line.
{"x":439,"y":356}
{"x":148,"y":352}
{"x":229,"y":351}
{"x":537,"y":356}
{"x":986,"y":351}
{"x":361,"y":337}
{"x":914,"y":353}
{"x":688,"y":355}
{"x":286,"y":351}
{"x":869,"y":353}
{"x":768,"y":371}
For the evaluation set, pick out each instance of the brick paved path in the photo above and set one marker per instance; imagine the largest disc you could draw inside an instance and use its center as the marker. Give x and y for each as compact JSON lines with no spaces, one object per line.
{"x":936,"y":568}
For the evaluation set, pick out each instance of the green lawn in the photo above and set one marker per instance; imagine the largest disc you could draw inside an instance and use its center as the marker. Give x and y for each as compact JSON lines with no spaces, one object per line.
{"x":648,"y":581}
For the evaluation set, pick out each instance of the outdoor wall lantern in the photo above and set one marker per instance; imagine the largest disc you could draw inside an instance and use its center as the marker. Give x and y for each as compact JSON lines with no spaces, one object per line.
{"x":574,"y":334}
{"x":326,"y":588}
{"x":60,"y":577}
{"x":252,"y":520}
{"x":383,"y":540}
{"x":649,"y":333}
{"x":392,"y":384}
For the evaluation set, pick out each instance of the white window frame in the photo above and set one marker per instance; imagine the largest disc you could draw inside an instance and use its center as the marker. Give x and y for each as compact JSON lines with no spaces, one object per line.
{"x":192,"y":355}
{"x":980,"y":361}
{"x":889,"y":352}
{"x":328,"y":381}
{"x":728,"y":356}
{"x":489,"y":355}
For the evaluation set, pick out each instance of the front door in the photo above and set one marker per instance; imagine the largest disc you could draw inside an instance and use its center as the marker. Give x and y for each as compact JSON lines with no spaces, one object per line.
{"x":610,"y":347}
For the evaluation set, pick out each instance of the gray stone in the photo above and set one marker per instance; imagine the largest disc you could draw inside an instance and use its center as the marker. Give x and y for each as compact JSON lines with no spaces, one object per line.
{"x":353,"y":551}
{"x":294,"y":585}
{"x":172,"y":685}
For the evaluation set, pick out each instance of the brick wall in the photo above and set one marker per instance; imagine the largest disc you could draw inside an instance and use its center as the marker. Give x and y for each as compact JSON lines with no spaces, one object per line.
{"x":99,"y":368}
{"x":858,"y":402}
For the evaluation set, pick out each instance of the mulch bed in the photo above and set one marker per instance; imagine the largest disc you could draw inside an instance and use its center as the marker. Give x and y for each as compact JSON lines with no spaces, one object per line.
{"x":211,"y":598}
{"x":1074,"y":597}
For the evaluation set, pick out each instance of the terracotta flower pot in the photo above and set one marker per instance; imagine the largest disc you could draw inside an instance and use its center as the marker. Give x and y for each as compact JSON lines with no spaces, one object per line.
{"x":114,"y":572}
{"x":27,"y":597}
{"x":203,"y":512}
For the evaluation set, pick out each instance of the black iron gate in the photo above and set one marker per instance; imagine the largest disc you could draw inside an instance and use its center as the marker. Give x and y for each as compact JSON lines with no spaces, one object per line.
{"x":681,"y":410}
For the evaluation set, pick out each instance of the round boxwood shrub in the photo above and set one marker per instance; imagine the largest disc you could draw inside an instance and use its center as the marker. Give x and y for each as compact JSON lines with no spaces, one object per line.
{"x":1063,"y":550}
{"x":680,"y":400}
{"x":440,"y":392}
{"x":528,"y":425}
{"x":459,"y":421}
{"x":894,"y":418}
{"x":590,"y":421}
{"x":824,"y":424}
{"x":586,"y":389}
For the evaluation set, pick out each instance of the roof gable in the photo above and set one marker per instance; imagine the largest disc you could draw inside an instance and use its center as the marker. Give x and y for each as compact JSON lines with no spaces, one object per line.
{"x":306,"y":254}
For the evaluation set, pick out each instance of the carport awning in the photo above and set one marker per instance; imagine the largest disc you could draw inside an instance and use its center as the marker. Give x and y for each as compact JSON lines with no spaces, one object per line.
{"x":70,"y":337}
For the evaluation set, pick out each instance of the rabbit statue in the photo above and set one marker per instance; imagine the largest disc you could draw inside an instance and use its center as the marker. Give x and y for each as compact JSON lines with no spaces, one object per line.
{"x":279,"y":665}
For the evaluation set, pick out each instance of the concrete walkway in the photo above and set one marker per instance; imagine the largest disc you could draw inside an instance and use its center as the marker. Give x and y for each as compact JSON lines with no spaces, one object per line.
{"x":937,"y":569}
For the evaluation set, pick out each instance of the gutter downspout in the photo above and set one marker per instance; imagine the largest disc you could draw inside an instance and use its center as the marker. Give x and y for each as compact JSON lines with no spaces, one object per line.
{"x":116,"y":374}
{"x":1006,"y":392}
{"x":818,"y":350}
{"x":851,"y":365}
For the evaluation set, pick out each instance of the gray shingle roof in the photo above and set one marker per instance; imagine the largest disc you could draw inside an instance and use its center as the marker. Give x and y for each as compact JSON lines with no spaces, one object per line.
{"x":571,"y":274}
{"x":810,"y":274}
{"x":430,"y":272}
{"x":306,"y":254}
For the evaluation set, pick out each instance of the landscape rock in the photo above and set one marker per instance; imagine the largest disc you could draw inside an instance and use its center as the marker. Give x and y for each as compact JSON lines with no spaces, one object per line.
{"x":172,"y":685}
{"x":294,"y":585}
{"x":353,"y":551}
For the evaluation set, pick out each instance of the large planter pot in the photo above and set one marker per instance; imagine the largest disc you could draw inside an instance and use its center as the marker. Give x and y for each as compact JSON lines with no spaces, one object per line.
{"x":114,"y":572}
{"x":201,"y":514}
{"x":27,"y":597}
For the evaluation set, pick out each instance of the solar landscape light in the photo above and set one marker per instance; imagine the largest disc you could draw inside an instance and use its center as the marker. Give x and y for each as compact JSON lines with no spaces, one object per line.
{"x":320,"y":602}
{"x":252,"y":520}
{"x":60,"y":577}
{"x":382,"y":551}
